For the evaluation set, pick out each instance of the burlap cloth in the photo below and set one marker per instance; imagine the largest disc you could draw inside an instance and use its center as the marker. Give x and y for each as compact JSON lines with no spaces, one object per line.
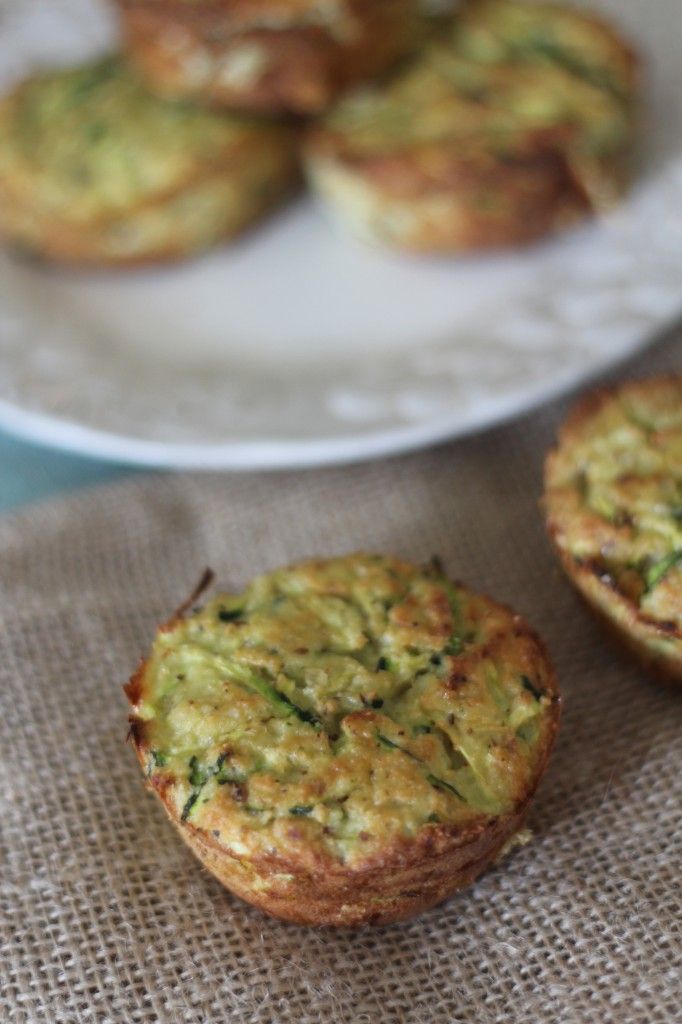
{"x":107,"y":918}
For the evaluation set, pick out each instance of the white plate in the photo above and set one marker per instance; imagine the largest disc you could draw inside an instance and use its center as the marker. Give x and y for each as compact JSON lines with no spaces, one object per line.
{"x":298,"y":347}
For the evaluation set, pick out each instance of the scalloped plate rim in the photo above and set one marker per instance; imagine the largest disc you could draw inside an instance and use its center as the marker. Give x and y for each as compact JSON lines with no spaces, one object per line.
{"x":67,"y":435}
{"x":573,"y":320}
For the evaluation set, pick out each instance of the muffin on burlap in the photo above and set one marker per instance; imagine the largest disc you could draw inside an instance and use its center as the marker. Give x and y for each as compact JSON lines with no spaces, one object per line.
{"x":94,"y":169}
{"x":270,"y":56}
{"x":613,"y":499}
{"x":347,"y":741}
{"x":516,"y":122}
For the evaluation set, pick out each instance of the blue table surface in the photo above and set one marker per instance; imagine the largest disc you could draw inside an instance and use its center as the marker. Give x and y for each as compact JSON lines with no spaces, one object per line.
{"x":30,"y":473}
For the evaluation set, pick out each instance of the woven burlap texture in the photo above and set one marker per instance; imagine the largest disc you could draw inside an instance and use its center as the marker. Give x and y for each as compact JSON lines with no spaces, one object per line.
{"x":108,"y":918}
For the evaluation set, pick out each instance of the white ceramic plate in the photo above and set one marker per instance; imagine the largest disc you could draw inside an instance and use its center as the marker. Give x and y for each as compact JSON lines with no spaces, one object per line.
{"x":299,"y":347}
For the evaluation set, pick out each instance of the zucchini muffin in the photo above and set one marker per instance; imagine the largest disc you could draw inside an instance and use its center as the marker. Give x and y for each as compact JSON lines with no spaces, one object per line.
{"x":348,"y":741}
{"x":517,"y":122}
{"x":613,"y":497}
{"x":94,"y":169}
{"x":271,"y":56}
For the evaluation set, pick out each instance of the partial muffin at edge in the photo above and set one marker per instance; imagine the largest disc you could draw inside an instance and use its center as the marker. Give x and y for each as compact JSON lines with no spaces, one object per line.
{"x":613,"y":501}
{"x":348,"y":741}
{"x":268,"y":56}
{"x":94,"y":169}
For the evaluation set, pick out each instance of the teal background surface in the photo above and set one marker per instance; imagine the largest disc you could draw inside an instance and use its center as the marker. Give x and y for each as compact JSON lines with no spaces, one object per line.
{"x":29,"y":473}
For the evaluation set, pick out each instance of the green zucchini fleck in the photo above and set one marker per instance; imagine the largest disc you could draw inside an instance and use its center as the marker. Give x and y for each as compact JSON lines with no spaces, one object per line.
{"x":230,"y":614}
{"x":655,"y":573}
{"x":278,"y":699}
{"x":442,"y":784}
{"x":189,"y":804}
{"x":197,"y":776}
{"x":533,"y":690}
{"x":385,"y":742}
{"x":432,"y":779}
{"x":454,"y":646}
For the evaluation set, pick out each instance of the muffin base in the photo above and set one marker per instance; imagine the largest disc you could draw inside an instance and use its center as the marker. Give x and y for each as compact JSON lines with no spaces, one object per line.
{"x":465,"y":206}
{"x":369,"y":897}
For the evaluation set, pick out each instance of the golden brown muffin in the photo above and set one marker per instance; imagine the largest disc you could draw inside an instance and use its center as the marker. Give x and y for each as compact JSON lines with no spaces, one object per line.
{"x":96,"y":170}
{"x":267,"y":56}
{"x":613,"y":497}
{"x":517,"y":122}
{"x":348,"y":741}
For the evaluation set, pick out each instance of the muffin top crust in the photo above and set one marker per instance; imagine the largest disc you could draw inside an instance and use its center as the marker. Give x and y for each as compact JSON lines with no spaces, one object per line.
{"x":336,"y":709}
{"x":336,"y":17}
{"x":92,"y":142}
{"x":495,"y":31}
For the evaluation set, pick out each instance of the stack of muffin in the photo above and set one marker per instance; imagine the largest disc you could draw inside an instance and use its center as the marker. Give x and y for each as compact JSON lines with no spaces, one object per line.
{"x":423,"y":128}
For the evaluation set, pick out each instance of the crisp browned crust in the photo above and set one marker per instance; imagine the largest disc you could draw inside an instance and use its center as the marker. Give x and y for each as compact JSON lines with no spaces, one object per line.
{"x":586,"y":407}
{"x":620,"y":616}
{"x":470,"y":184}
{"x":407,"y":877}
{"x":460,"y":201}
{"x":407,"y":883}
{"x":204,"y":50}
{"x":630,"y":632}
{"x":445,"y":197}
{"x":624,"y":57}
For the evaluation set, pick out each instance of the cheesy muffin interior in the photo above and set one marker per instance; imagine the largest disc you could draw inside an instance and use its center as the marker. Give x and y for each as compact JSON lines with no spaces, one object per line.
{"x":496,"y":31}
{"x":511,"y":85}
{"x":89,"y":157}
{"x":614,"y":504}
{"x":337,"y":709}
